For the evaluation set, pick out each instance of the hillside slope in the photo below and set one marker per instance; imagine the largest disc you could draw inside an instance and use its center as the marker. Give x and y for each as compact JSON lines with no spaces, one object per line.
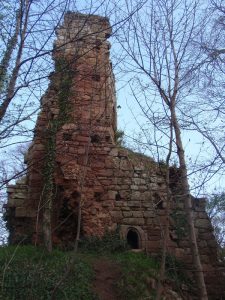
{"x":31,"y":273}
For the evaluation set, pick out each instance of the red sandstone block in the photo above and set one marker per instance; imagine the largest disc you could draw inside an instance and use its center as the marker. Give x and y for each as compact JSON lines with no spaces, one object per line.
{"x":98,"y":165}
{"x":108,"y":203}
{"x":35,"y":175}
{"x":127,"y":214}
{"x":81,"y":150}
{"x":149,"y":214}
{"x":105,"y":173}
{"x":125,"y":165}
{"x":81,"y":138}
{"x":94,"y":150}
{"x":104,"y":182}
{"x":98,"y":189}
{"x":154,"y":238}
{"x":134,"y":221}
{"x":110,"y":164}
{"x":20,"y":212}
{"x":163,"y":220}
{"x":125,"y":194}
{"x":71,"y":150}
{"x":106,"y":149}
{"x":137,"y":214}
{"x":153,"y":245}
{"x":111,"y":195}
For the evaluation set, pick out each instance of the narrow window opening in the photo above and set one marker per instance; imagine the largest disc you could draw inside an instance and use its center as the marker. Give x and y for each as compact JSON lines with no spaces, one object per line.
{"x":67,"y":136}
{"x":75,"y":195}
{"x":118,"y":197}
{"x":97,"y":196}
{"x":96,"y":77}
{"x":107,"y":138}
{"x":64,"y":210}
{"x":74,"y":200}
{"x":98,"y":44}
{"x":95,"y":139}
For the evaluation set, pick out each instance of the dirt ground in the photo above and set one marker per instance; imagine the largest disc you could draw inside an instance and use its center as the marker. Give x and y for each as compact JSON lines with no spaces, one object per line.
{"x":107,"y":275}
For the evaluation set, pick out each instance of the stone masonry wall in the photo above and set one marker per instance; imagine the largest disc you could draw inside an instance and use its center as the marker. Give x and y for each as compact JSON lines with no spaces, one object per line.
{"x":74,"y":158}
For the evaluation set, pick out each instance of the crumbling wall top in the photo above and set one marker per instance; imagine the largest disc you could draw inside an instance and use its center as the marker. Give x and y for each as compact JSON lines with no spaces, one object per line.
{"x":78,"y":28}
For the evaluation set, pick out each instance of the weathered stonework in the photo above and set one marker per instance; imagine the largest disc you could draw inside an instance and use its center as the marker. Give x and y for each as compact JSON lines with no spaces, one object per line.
{"x":74,"y":157}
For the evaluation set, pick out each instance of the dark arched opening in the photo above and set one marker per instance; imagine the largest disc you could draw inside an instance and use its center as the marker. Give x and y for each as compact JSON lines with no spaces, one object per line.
{"x":133,"y":239}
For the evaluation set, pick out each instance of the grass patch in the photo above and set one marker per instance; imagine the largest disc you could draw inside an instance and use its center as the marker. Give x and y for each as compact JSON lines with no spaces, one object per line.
{"x":137,"y":270}
{"x":28,"y":272}
{"x":31,"y":273}
{"x":140,"y":274}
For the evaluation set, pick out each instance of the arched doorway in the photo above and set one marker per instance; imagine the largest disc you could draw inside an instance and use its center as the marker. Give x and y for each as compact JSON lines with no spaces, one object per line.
{"x":133,"y":239}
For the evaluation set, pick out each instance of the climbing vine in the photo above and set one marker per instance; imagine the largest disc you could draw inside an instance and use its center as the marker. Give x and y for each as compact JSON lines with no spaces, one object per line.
{"x":180,"y":222}
{"x":64,"y":77}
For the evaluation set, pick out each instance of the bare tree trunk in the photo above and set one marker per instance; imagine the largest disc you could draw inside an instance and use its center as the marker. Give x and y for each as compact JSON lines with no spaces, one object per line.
{"x":12,"y":42}
{"x":47,"y":217}
{"x":188,"y":206}
{"x":24,"y":11}
{"x":79,"y":217}
{"x":166,"y":228}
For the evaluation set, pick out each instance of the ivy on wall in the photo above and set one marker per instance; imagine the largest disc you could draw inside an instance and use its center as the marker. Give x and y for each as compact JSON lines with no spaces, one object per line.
{"x":64,"y":76}
{"x":180,"y":222}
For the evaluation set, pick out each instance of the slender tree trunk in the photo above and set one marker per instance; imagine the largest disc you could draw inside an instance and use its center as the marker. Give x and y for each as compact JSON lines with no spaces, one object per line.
{"x":79,"y":217}
{"x":24,"y":11}
{"x":188,"y":206}
{"x":11,"y":44}
{"x":166,"y":228}
{"x":47,"y":218}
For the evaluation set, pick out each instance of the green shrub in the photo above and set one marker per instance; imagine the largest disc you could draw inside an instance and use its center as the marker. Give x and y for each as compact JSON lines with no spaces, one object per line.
{"x":175,"y":271}
{"x":109,"y":243}
{"x":140,"y":270}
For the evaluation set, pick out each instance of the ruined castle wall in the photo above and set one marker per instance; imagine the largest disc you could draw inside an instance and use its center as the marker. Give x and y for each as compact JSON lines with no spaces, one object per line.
{"x":75,"y":159}
{"x":124,"y":189}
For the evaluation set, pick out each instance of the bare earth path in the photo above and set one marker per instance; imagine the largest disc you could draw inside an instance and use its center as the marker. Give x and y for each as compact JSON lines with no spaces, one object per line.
{"x":107,"y":275}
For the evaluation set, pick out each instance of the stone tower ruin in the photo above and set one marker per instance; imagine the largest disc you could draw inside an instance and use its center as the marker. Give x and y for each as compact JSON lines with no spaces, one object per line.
{"x":74,"y":158}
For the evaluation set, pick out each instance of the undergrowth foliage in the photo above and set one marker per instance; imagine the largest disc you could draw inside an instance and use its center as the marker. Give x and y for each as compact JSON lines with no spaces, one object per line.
{"x":109,"y":243}
{"x":140,"y":275}
{"x":32,"y":273}
{"x":175,"y":270}
{"x":137,"y":270}
{"x":28,"y":272}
